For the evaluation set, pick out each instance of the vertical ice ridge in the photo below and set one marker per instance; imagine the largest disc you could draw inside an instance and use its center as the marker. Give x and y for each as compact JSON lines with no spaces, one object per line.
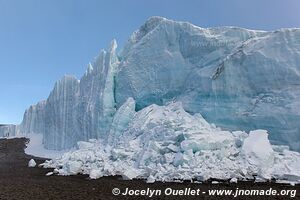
{"x":60,"y":124}
{"x":96,"y":105}
{"x":108,"y":99}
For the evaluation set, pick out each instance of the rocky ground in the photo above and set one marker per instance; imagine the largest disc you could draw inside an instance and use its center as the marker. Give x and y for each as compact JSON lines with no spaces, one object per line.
{"x":18,"y":182}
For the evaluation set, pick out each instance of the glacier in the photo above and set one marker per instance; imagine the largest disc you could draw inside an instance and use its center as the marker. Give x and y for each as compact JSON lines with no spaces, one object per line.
{"x":236,"y":78}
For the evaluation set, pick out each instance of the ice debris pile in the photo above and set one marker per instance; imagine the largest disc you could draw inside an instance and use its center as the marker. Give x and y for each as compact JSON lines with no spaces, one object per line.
{"x":236,"y":78}
{"x":165,"y":143}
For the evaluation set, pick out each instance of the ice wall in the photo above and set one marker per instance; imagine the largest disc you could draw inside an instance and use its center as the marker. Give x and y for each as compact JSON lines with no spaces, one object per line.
{"x":8,"y":130}
{"x":76,"y":109}
{"x":96,"y":107}
{"x":34,"y":119}
{"x":236,"y":78}
{"x":61,"y":130}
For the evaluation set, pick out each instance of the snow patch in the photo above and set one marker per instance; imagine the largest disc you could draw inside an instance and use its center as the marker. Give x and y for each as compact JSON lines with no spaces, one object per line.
{"x":36,"y":148}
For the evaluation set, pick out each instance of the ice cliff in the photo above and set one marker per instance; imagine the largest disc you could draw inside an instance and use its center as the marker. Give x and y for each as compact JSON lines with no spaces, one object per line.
{"x":7,"y":130}
{"x":236,"y":78}
{"x":76,"y":109}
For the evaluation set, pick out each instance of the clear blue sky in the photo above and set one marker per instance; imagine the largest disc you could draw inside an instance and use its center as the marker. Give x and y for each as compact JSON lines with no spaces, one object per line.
{"x":40,"y":41}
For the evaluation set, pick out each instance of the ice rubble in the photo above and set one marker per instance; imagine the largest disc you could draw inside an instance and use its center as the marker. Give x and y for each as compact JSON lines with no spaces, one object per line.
{"x":165,"y":143}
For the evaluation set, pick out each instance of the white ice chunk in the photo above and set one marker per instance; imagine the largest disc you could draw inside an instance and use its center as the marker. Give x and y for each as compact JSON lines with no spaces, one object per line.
{"x":49,"y":173}
{"x":258,"y":149}
{"x":151,"y":179}
{"x":233,"y":180}
{"x":95,"y":173}
{"x":74,"y":167}
{"x":31,"y":163}
{"x":130,"y":174}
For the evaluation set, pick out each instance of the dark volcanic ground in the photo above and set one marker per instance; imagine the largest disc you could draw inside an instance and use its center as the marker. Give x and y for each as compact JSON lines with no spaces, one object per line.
{"x":18,"y":182}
